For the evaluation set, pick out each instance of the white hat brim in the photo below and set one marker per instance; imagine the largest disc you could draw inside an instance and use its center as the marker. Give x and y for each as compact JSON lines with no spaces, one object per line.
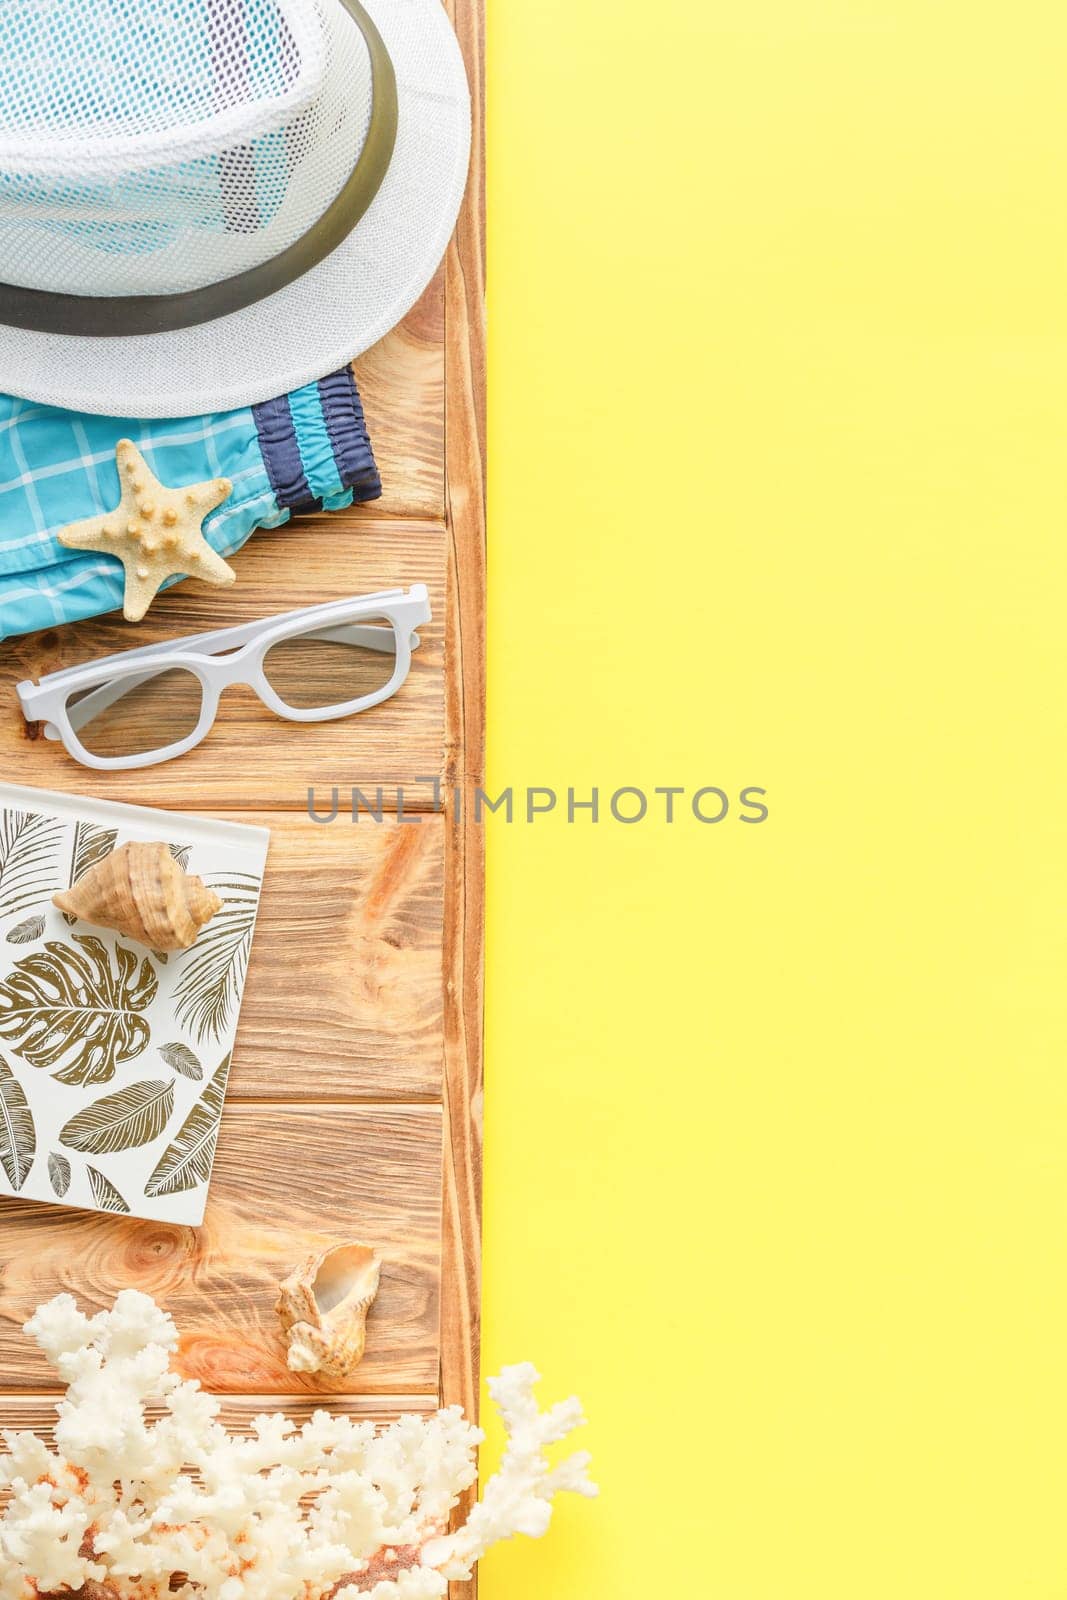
{"x":324,"y":319}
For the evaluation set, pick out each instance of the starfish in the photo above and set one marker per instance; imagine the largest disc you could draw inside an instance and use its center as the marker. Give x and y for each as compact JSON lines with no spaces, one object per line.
{"x":154,"y":531}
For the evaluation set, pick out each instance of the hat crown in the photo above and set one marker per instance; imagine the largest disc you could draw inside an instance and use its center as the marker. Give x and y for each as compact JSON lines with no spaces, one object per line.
{"x":150,"y":147}
{"x":108,"y":79}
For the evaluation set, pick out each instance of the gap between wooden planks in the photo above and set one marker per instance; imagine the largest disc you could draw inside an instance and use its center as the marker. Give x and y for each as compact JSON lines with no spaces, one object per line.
{"x":464,"y":948}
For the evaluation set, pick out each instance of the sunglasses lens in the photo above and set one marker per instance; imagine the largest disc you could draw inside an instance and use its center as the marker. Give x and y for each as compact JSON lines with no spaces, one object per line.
{"x":313,"y":672}
{"x":133,"y":716}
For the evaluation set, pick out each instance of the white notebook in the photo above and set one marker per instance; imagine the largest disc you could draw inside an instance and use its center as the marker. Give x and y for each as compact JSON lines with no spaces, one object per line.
{"x":113,"y":1057}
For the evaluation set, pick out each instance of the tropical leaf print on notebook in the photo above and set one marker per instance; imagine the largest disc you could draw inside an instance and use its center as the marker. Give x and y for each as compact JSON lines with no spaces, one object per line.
{"x":211,"y":979}
{"x":18,"y":1136}
{"x":181,"y":1059}
{"x":78,"y":1009}
{"x":59,"y":1173}
{"x":122,"y":1121}
{"x":27,"y":931}
{"x":105,"y":1196}
{"x":91,"y":844}
{"x":187,"y":1161}
{"x":29,"y":870}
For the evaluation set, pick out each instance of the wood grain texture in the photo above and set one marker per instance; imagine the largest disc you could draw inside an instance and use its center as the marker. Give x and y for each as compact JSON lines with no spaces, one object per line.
{"x":402,"y":382}
{"x":287,"y":1181}
{"x":465,"y":475}
{"x":252,"y":759}
{"x":347,"y":953}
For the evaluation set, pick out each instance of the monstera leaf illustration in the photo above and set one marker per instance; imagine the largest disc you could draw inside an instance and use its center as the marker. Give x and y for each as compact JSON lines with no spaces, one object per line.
{"x":209,"y":985}
{"x":28,"y":867}
{"x":105,"y":1195}
{"x":122,"y":1121}
{"x":91,"y":844}
{"x":187,"y":1161}
{"x":18,"y":1137}
{"x":79,"y":1009}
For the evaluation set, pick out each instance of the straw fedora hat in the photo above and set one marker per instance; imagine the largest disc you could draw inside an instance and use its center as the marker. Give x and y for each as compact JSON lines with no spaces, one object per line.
{"x":205,"y":203}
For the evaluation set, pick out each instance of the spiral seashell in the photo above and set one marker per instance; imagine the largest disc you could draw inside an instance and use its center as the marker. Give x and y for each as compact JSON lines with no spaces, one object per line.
{"x":140,"y":891}
{"x":323,"y":1309}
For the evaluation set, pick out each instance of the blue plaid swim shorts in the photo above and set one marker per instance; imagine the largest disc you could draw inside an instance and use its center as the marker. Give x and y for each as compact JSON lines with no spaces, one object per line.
{"x":305,"y":451}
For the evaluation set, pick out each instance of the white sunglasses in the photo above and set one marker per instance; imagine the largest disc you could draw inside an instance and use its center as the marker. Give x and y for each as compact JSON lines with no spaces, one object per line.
{"x":144,"y":706}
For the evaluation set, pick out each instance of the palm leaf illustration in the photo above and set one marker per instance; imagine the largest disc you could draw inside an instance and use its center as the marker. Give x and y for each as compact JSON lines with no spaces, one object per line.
{"x":59,"y":1173}
{"x":28,"y":866}
{"x":123,"y":1121}
{"x":210,"y":982}
{"x":18,"y":1137}
{"x":182,"y":1059}
{"x":26,"y":932}
{"x":91,"y":844}
{"x":105,"y":1194}
{"x":187,"y":1161}
{"x":78,"y":1008}
{"x":181,"y":854}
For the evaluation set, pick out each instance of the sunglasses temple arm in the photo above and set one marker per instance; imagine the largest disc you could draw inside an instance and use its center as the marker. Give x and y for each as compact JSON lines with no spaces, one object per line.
{"x":84,"y":712}
{"x":371,"y":638}
{"x":229,"y":639}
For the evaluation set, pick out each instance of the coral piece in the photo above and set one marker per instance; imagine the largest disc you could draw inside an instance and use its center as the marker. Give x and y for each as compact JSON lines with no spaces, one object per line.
{"x":154,"y":531}
{"x":323,"y":1308}
{"x":141,"y":892}
{"x":329,"y":1510}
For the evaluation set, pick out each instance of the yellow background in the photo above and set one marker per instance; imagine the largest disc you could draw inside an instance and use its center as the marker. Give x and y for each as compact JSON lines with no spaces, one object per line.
{"x":777,"y":1116}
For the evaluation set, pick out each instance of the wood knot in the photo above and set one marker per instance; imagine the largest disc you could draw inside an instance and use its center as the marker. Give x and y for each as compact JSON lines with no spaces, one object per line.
{"x":153,"y":1254}
{"x":228,"y":1367}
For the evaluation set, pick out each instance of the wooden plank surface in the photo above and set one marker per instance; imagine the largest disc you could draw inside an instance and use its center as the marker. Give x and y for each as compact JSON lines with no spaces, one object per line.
{"x":349,"y":932}
{"x":287,"y":1182}
{"x":402,"y":382}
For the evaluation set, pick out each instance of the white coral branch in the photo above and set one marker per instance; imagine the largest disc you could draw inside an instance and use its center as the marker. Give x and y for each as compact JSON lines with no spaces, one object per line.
{"x":518,"y":1499}
{"x":128,"y":1508}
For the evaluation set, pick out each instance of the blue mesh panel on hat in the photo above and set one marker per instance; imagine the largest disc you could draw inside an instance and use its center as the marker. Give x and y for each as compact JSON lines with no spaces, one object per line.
{"x":154,"y":146}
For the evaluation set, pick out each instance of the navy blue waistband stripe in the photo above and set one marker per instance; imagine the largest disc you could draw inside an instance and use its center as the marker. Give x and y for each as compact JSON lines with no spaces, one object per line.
{"x":281,"y":456}
{"x":349,"y":439}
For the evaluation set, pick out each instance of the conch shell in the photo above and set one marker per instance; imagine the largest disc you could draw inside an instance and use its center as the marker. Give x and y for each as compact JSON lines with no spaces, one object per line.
{"x":141,"y":892}
{"x":323,"y":1309}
